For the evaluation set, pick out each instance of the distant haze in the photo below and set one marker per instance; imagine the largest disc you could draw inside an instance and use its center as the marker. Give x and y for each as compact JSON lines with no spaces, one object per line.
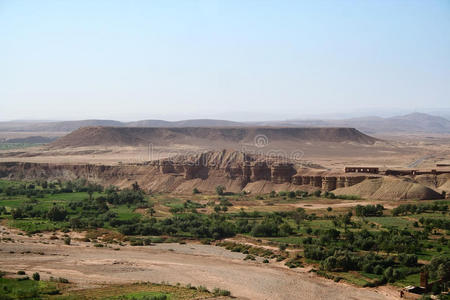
{"x":237,"y":60}
{"x":411,"y":123}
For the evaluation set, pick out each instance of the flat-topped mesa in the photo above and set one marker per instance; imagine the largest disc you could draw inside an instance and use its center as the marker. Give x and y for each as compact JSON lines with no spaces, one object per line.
{"x":225,"y":136}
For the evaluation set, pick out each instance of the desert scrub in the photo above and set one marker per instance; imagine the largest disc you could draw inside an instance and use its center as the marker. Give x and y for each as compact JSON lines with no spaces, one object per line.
{"x":202,"y":288}
{"x":294,"y":262}
{"x":220,"y":292}
{"x":249,"y":257}
{"x":246,"y":249}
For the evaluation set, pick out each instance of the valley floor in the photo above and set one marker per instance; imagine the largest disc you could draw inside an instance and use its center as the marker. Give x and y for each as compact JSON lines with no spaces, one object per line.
{"x":195,"y":264}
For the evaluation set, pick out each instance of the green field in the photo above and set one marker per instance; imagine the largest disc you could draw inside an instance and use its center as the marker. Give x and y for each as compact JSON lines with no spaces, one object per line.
{"x":388,"y":221}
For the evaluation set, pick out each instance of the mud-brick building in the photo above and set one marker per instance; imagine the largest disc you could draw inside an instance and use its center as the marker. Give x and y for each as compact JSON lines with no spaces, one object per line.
{"x":372,"y":170}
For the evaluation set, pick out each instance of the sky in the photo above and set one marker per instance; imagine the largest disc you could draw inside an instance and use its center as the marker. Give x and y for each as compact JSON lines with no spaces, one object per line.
{"x":241,"y":60}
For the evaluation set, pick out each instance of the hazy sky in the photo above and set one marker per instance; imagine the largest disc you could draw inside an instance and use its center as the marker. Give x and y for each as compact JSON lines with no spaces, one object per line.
{"x":186,"y":59}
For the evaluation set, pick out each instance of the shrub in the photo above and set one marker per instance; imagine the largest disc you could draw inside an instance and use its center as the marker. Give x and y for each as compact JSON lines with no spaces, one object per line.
{"x":63,"y":280}
{"x":57,"y":213}
{"x":67,"y":240}
{"x":220,"y":292}
{"x":36,"y":276}
{"x":409,"y":260}
{"x":249,"y":257}
{"x":21,"y":272}
{"x":202,"y":288}
{"x":283,"y":246}
{"x":220,"y":190}
{"x":23,"y":278}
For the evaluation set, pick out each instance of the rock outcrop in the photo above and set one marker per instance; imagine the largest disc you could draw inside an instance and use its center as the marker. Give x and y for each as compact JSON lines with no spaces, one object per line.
{"x":235,"y":170}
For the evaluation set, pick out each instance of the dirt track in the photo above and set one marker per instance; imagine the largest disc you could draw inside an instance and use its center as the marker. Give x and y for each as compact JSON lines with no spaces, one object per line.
{"x":190,"y":263}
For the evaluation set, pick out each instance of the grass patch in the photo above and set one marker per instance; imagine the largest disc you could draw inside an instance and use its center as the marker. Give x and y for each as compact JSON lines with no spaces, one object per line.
{"x":138,"y":291}
{"x":11,"y":288}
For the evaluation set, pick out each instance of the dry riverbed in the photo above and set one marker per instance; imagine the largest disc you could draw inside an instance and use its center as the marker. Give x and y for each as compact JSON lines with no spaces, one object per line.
{"x":211,"y":266}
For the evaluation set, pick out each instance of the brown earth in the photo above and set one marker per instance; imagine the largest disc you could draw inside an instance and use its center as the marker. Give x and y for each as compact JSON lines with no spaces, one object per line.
{"x":386,"y":188}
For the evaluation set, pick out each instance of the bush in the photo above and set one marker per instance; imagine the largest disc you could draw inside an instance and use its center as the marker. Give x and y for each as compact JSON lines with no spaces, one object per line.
{"x":57,"y":213}
{"x":369,"y":210}
{"x":202,"y":288}
{"x":21,"y":272}
{"x":36,"y":276}
{"x":220,"y":190}
{"x":23,"y":278}
{"x":220,"y":292}
{"x":249,"y":257}
{"x":67,"y":240}
{"x":409,"y":260}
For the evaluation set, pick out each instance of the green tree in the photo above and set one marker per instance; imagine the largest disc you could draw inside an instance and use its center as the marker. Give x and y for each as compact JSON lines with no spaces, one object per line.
{"x":220,"y":189}
{"x":36,"y":276}
{"x":57,"y":213}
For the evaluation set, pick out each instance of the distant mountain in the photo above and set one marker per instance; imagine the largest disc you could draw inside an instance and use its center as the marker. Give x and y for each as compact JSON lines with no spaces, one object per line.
{"x":185,"y":123}
{"x":63,"y":126}
{"x":411,"y":123}
{"x":68,"y":126}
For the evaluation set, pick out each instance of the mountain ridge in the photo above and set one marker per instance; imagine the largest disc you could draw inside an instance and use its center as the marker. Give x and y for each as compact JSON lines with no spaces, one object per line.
{"x":412,"y":123}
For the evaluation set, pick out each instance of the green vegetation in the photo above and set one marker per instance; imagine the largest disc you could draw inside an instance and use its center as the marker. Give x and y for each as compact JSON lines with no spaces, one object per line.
{"x":9,"y":146}
{"x":23,"y":288}
{"x":366,"y":245}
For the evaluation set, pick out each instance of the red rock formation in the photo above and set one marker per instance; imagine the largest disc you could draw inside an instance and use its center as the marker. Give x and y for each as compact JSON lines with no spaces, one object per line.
{"x":282,"y":172}
{"x":329,"y":183}
{"x":260,"y":171}
{"x":233,"y":168}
